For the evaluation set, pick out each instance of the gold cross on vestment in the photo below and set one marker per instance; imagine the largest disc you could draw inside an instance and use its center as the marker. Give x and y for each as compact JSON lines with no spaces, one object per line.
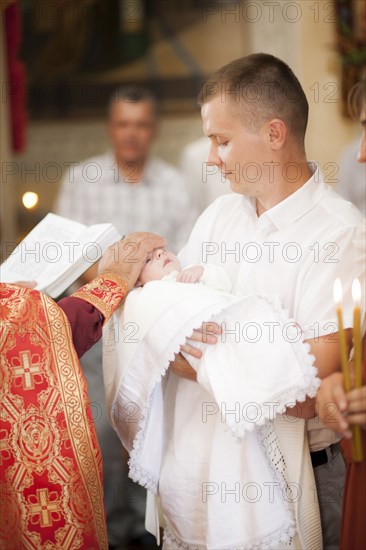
{"x":44,"y":507}
{"x":27,"y":369}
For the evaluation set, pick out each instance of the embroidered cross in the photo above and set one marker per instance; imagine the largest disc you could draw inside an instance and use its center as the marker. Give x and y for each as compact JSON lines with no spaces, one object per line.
{"x":27,"y":369}
{"x":44,"y":507}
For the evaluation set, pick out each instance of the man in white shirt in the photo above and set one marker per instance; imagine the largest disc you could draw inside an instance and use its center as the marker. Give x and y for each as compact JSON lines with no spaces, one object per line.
{"x":283,"y":232}
{"x":134,"y":190}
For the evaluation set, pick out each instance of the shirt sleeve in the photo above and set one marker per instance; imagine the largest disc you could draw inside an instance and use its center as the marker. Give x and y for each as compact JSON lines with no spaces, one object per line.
{"x":90,"y":306}
{"x":342,"y":257}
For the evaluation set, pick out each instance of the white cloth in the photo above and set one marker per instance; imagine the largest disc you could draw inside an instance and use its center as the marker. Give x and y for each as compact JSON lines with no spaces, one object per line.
{"x":183,"y":440}
{"x":93,"y":191}
{"x":295,"y":250}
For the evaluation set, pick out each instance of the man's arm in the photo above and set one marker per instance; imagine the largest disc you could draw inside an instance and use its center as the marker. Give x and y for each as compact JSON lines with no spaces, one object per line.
{"x":325,"y":350}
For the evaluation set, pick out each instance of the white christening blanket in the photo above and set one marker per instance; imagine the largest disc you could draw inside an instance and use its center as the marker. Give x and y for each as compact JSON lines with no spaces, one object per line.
{"x":229,"y":469}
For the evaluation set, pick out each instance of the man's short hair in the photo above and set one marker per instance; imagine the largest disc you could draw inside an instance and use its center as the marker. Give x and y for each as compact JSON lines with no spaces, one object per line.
{"x":265,"y":88}
{"x":133,"y":93}
{"x":357,"y":100}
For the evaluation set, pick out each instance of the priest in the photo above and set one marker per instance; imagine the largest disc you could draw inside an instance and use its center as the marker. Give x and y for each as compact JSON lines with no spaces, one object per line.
{"x":50,"y":474}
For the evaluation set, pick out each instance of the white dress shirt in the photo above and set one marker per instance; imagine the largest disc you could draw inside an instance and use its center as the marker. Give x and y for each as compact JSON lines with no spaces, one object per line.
{"x":93,"y":191}
{"x":295,"y":250}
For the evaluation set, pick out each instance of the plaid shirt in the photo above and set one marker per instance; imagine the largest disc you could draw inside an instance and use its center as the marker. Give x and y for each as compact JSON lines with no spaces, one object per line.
{"x":93,"y":191}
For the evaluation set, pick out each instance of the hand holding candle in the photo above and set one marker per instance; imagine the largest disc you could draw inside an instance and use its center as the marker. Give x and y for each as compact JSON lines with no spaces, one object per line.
{"x":357,"y":451}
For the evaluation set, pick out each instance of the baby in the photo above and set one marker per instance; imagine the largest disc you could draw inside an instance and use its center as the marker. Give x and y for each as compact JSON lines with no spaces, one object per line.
{"x":163,"y":264}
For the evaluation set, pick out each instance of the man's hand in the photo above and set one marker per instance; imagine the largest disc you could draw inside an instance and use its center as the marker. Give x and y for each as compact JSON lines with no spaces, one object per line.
{"x":128,"y":256}
{"x":182,"y":368}
{"x":331,"y":403}
{"x":340,"y":410}
{"x":190,"y":274}
{"x":206,"y":334}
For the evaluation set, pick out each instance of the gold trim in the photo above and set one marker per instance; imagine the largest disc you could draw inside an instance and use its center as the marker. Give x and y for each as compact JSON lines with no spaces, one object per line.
{"x":105,"y":293}
{"x":73,"y":390}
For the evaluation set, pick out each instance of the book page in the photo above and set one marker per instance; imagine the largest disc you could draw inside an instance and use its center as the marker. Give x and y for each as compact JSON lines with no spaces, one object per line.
{"x":50,"y":248}
{"x":56,"y":252}
{"x":92,"y":244}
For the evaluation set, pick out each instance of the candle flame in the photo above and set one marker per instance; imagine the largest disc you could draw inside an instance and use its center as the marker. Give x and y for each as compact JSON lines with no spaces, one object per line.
{"x":337,"y":291}
{"x":356,"y":291}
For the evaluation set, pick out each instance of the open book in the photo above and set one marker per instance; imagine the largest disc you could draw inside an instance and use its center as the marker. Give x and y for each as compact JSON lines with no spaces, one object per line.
{"x":56,"y":252}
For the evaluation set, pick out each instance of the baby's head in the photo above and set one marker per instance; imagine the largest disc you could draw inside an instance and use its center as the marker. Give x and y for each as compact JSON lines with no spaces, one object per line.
{"x":159,"y":263}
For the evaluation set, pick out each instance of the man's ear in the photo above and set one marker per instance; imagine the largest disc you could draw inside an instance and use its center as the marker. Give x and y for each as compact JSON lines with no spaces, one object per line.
{"x":276,"y":132}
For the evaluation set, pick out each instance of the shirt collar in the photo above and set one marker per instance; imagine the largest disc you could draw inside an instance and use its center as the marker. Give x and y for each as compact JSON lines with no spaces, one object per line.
{"x":294,"y":206}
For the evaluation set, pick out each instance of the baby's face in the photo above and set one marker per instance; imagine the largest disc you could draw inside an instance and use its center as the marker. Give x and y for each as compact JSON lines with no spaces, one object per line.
{"x":159,"y":263}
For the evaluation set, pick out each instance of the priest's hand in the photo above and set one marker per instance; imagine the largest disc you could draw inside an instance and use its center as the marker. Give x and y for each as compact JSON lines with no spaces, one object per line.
{"x":206,"y":334}
{"x":128,"y":256}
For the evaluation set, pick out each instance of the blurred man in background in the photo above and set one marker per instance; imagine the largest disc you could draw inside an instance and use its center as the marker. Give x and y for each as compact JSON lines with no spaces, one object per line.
{"x":127,"y":185}
{"x":134,"y":190}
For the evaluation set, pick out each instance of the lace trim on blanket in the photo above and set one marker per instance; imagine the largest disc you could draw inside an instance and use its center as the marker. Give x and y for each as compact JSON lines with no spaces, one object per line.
{"x":143,"y":477}
{"x":280,"y":537}
{"x":137,"y":473}
{"x":268,"y":439}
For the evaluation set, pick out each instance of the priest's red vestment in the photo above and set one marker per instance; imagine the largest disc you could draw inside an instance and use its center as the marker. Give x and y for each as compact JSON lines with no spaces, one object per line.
{"x":50,"y":462}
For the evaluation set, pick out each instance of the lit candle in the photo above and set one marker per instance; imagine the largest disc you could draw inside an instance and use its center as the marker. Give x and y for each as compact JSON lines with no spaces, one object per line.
{"x":357,"y":345}
{"x":337,"y":295}
{"x":357,"y":451}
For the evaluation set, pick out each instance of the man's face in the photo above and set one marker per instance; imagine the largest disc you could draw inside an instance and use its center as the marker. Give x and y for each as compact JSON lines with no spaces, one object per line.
{"x":132,"y":128}
{"x":159,"y":263}
{"x":242,"y":157}
{"x":361,"y":157}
